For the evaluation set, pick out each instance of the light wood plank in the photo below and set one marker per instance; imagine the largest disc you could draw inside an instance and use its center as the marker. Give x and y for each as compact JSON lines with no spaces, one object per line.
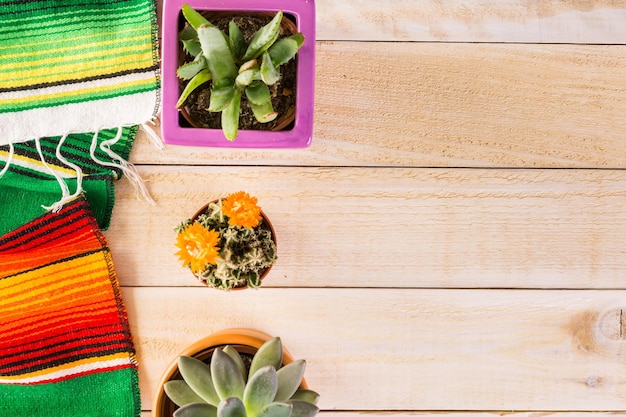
{"x":539,"y":21}
{"x":391,"y":349}
{"x":364,"y":227}
{"x":452,"y":105}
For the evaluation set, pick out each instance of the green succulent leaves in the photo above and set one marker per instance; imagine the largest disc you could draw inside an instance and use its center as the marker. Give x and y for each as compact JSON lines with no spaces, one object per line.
{"x":231,"y":407}
{"x":264,"y":38}
{"x":196,"y":410}
{"x":190,"y":69}
{"x":271,"y":353}
{"x":260,"y":390}
{"x":200,"y":78}
{"x":230,"y":116}
{"x":194,"y":18}
{"x":217,"y":53}
{"x":228,"y":380}
{"x":198,"y":377}
{"x":234,"y":66}
{"x":225,"y":388}
{"x":181,"y":393}
{"x":289,"y":377}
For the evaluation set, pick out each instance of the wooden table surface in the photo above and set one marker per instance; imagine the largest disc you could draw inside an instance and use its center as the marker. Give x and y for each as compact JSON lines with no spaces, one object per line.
{"x":454,"y":240}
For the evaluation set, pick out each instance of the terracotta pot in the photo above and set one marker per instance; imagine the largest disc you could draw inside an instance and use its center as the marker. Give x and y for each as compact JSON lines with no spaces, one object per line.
{"x":288,"y":28}
{"x":246,"y":341}
{"x":265,"y":223}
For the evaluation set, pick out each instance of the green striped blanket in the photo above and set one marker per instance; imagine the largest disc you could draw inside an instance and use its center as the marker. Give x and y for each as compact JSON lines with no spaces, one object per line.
{"x":68,"y":70}
{"x":29,"y":185}
{"x":76,"y":66}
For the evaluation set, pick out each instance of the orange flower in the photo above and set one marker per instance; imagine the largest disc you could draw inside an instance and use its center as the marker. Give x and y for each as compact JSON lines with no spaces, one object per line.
{"x":241,"y":210}
{"x":198,"y":247}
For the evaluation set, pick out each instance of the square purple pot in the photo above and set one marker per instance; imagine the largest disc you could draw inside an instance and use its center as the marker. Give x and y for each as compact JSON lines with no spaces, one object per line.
{"x":297,"y":137}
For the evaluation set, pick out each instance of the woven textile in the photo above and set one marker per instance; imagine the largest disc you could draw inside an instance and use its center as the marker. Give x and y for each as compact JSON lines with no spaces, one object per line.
{"x":65,"y":344}
{"x":29,"y":184}
{"x":75,"y":66}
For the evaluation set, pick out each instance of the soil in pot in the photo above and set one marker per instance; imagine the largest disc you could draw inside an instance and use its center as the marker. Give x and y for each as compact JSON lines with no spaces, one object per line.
{"x":194,"y":113}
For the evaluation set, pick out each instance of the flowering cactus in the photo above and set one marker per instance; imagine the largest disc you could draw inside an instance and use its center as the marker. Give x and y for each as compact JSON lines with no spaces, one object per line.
{"x":227,"y":245}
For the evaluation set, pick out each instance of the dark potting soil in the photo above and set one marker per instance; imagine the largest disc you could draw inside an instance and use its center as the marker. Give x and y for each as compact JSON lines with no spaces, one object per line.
{"x":283,"y":92}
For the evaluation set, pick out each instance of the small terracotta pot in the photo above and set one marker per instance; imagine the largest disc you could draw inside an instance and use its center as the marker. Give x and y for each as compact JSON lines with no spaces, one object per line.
{"x":287,"y":27}
{"x":266,"y":223}
{"x":246,"y":341}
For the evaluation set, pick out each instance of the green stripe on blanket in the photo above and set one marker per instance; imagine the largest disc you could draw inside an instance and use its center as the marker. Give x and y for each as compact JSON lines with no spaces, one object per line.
{"x":76,"y":66}
{"x":29,"y":184}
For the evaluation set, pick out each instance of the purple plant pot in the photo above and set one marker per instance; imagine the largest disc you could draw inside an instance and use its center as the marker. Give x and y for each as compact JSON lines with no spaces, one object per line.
{"x":297,"y":137}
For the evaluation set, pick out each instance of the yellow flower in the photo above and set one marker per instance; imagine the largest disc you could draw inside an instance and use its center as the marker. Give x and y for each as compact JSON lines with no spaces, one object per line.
{"x":198,"y":247}
{"x":241,"y":210}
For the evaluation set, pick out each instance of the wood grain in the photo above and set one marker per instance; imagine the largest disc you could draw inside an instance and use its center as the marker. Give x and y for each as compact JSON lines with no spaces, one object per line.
{"x":452,"y":105}
{"x":377,"y":349}
{"x":452,"y":242}
{"x":537,"y":21}
{"x":382,"y":227}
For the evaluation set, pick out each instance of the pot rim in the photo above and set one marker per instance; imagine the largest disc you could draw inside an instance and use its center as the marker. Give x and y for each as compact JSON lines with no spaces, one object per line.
{"x":288,"y":26}
{"x":231,"y":336}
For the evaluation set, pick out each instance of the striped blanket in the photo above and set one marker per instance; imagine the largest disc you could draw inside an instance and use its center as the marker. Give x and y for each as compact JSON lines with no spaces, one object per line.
{"x":29,"y":182}
{"x":75,"y":67}
{"x":65,"y":344}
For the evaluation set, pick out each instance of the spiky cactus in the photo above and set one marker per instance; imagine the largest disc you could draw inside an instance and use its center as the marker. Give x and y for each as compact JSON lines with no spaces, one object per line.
{"x":226,"y":388}
{"x":242,"y":251}
{"x":234,"y":67}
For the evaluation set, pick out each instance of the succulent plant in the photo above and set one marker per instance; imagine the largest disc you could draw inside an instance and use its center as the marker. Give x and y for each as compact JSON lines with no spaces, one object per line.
{"x":227,"y":246}
{"x":236,"y":68}
{"x":228,"y":388}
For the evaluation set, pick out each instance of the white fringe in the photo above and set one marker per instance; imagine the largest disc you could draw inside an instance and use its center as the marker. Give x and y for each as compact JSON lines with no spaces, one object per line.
{"x":66,"y":196}
{"x":127,"y":168}
{"x":155,"y":138}
{"x":9,"y":160}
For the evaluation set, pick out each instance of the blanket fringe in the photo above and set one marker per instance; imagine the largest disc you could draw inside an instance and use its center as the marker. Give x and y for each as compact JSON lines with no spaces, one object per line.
{"x":66,"y":195}
{"x":154,"y":137}
{"x":9,"y":160}
{"x":127,"y":168}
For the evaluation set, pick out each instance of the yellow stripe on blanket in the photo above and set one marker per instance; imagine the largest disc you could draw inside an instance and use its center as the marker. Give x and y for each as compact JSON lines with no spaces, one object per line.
{"x":56,"y":51}
{"x":69,"y":94}
{"x":85,"y":70}
{"x":67,"y":369}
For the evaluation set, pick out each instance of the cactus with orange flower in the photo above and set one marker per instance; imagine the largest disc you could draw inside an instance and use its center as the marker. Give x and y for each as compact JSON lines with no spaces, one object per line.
{"x":228,"y":245}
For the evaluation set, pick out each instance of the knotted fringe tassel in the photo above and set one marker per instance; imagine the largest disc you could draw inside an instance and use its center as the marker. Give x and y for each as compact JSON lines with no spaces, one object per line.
{"x":9,"y":160}
{"x":66,"y":196}
{"x":127,"y":168}
{"x":152,"y":134}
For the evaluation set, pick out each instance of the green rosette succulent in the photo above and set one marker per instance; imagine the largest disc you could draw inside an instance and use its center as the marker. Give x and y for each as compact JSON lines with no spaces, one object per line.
{"x":228,"y":388}
{"x":236,"y":68}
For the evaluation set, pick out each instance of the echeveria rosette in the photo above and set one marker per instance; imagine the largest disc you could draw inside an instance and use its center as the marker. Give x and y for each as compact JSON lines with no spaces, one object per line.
{"x":225,"y":388}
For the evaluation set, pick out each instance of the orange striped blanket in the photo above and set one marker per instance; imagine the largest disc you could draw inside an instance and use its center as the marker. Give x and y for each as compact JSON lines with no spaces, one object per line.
{"x":65,"y":343}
